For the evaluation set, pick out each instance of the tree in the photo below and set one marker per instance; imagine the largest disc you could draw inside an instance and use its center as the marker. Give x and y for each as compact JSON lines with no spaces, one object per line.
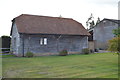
{"x":98,"y":21}
{"x":90,"y":22}
{"x":117,"y":32}
{"x":114,"y":45}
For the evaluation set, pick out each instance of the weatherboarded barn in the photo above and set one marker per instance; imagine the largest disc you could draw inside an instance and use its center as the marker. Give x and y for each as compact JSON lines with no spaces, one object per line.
{"x":103,"y":32}
{"x":45,"y":35}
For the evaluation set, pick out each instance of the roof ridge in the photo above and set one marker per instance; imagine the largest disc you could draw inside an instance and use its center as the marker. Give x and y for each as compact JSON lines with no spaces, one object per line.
{"x":112,"y":20}
{"x":44,"y":16}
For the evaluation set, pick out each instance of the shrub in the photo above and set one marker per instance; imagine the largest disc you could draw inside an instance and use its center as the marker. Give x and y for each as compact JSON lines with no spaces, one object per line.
{"x":63,"y":53}
{"x":85,"y":51}
{"x":117,"y":32}
{"x":114,"y":45}
{"x":29,"y":54}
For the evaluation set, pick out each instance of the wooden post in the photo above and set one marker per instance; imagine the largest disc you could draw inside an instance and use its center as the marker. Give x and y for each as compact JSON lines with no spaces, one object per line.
{"x":57,"y":43}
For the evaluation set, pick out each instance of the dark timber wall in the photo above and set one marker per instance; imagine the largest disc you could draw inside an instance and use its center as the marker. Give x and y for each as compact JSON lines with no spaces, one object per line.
{"x":55,"y":43}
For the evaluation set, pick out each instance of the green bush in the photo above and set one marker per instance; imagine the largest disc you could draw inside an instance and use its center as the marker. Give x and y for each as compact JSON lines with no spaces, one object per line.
{"x":63,"y":53}
{"x":114,"y":45}
{"x":85,"y":51}
{"x":29,"y":54}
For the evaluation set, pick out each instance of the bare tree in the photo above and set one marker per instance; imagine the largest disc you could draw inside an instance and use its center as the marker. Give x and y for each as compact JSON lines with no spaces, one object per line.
{"x":90,"y":22}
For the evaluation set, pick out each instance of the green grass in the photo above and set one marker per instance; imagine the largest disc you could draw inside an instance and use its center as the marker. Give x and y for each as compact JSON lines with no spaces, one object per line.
{"x":7,"y":56}
{"x":101,"y":65}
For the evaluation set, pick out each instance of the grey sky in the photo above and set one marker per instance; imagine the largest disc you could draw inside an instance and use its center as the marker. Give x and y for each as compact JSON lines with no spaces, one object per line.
{"x":79,"y":10}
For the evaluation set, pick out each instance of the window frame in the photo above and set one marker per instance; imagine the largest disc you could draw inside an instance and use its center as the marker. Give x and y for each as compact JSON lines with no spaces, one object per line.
{"x":43,"y":41}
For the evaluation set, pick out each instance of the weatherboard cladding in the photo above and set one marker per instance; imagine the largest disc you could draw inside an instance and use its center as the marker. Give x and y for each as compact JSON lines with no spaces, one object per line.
{"x":32,"y":24}
{"x":70,"y":43}
{"x":103,"y":32}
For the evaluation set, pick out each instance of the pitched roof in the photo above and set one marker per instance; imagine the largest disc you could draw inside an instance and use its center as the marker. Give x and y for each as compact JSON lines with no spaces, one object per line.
{"x":113,"y":20}
{"x":33,"y":24}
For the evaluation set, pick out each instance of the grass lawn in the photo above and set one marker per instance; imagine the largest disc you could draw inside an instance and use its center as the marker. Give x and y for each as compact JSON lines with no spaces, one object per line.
{"x":100,"y":65}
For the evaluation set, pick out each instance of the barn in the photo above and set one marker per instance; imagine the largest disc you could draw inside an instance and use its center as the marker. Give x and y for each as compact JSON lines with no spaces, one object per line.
{"x":45,"y":35}
{"x":102,"y":33}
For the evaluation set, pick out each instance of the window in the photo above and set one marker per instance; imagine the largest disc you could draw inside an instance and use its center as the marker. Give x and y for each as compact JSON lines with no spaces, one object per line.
{"x":43,"y":41}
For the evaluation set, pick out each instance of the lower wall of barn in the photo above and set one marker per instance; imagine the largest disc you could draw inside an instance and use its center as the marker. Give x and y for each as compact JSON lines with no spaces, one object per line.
{"x":101,"y":45}
{"x":55,"y":44}
{"x":91,"y":45}
{"x":57,"y":53}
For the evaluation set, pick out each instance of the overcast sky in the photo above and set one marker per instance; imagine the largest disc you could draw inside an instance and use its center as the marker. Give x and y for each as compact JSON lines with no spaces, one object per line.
{"x":79,"y":10}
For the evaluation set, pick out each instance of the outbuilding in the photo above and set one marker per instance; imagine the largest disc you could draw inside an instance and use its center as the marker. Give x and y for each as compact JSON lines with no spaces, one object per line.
{"x":44,"y":35}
